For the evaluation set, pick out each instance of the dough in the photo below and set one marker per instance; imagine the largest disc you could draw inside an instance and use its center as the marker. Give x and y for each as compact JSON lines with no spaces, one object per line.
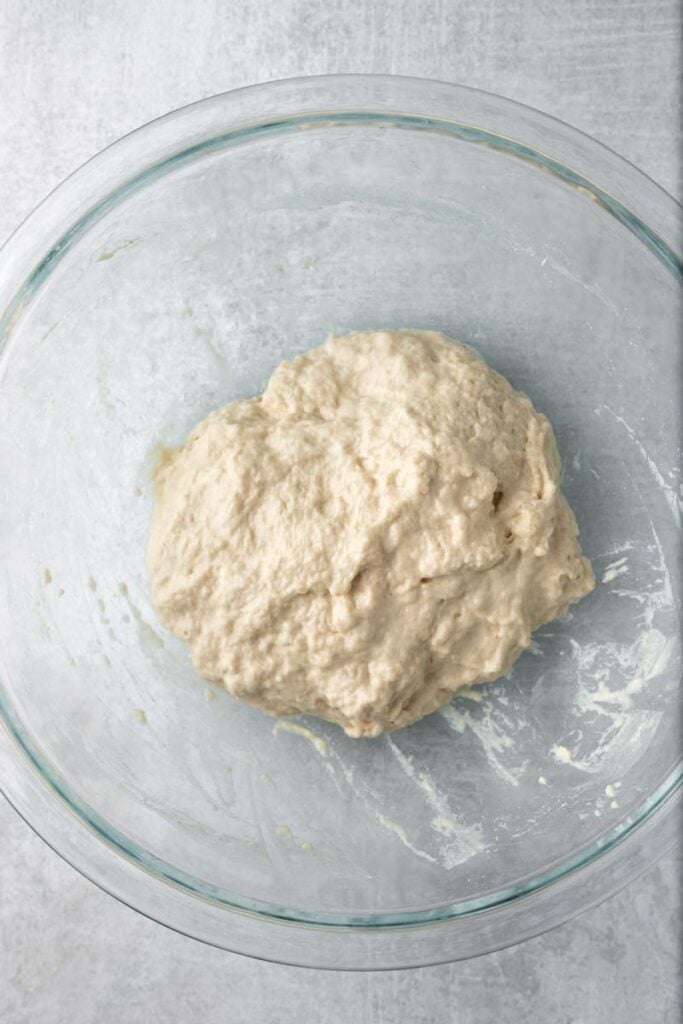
{"x":380,"y":528}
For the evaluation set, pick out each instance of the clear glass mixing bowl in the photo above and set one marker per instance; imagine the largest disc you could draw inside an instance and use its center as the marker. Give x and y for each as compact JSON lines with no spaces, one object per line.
{"x":170,"y":275}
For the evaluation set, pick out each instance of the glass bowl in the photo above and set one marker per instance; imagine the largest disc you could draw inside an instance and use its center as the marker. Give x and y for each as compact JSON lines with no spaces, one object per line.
{"x":170,"y":275}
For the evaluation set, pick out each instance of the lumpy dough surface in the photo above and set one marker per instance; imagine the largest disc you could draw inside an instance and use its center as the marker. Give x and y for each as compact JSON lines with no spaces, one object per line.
{"x":380,"y":528}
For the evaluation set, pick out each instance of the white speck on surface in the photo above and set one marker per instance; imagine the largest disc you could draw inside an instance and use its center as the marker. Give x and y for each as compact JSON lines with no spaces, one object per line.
{"x":615,"y":569}
{"x":614,"y":804}
{"x":456,"y":719}
{"x":562,"y":754}
{"x":140,"y":715}
{"x":284,"y":831}
{"x":318,"y":742}
{"x":542,"y":781}
{"x":447,"y":826}
{"x":610,"y":789}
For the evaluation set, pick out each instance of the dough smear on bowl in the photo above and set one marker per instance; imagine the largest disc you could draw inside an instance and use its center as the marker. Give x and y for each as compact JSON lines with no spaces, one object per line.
{"x":380,"y":528}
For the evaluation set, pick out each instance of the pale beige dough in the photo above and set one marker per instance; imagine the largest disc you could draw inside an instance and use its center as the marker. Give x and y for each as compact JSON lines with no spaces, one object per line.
{"x":380,"y":528}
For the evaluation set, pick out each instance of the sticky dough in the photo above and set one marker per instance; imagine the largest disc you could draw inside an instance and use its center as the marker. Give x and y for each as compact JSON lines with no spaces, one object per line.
{"x":380,"y":528}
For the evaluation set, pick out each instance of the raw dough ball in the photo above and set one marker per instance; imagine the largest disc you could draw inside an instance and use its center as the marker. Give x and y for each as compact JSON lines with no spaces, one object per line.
{"x":380,"y":528}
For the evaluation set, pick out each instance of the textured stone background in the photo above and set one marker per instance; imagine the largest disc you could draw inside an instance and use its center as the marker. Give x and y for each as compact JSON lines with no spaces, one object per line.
{"x":75,"y":75}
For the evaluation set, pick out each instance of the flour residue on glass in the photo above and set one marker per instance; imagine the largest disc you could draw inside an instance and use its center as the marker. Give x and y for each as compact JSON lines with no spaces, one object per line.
{"x":317,"y":741}
{"x":458,"y":841}
{"x":493,"y":726}
{"x":615,"y":569}
{"x":398,"y":830}
{"x":612,"y":676}
{"x":609,"y":721}
{"x":668,"y":492}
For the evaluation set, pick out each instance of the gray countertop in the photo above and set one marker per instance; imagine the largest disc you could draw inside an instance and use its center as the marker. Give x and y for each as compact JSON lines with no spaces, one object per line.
{"x":74,"y":76}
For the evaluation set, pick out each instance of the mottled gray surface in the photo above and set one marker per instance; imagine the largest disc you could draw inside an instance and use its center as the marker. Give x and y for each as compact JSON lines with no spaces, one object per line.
{"x":75,"y":76}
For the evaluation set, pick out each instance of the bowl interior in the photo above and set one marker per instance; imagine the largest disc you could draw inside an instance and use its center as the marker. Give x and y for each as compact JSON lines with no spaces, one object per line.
{"x":183,"y":294}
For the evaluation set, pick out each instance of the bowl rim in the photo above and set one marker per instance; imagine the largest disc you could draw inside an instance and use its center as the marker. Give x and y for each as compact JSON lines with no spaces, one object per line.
{"x":34,"y":249}
{"x":360,"y":77}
